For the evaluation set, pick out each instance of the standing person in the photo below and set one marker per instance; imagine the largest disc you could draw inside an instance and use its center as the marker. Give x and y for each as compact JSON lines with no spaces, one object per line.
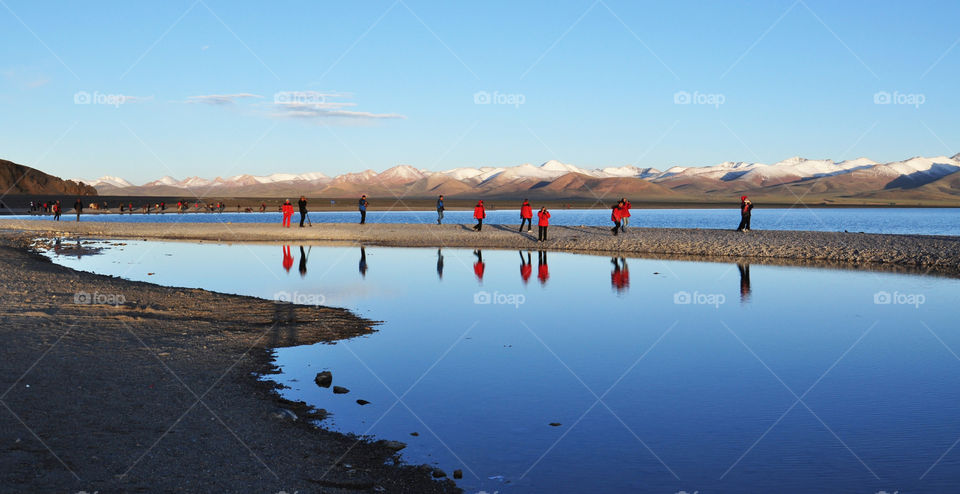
{"x":542,"y":224}
{"x":526,"y":215}
{"x":624,"y":213}
{"x":56,"y":211}
{"x":363,"y":208}
{"x":130,"y":209}
{"x":287,"y":210}
{"x":263,"y":207}
{"x":479,"y":213}
{"x":745,"y":207}
{"x":79,"y":207}
{"x":302,"y":204}
{"x":525,"y":267}
{"x":440,"y":209}
{"x":615,"y":218}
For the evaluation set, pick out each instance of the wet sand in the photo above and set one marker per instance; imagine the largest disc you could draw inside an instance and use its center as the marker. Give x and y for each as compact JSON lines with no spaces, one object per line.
{"x":916,"y":252}
{"x":159,"y":393}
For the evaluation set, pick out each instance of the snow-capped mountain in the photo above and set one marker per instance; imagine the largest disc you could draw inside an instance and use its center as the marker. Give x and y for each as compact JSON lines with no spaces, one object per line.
{"x":857,"y":176}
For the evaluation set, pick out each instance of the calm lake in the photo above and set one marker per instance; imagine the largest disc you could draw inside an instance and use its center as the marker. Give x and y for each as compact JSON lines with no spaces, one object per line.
{"x":923,"y":221}
{"x":557,"y":372}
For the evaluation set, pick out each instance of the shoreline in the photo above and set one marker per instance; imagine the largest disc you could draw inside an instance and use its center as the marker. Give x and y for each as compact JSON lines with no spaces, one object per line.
{"x":939,"y":254}
{"x":168,"y":390}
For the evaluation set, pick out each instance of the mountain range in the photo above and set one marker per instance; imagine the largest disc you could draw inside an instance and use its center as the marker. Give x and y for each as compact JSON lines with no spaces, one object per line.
{"x":918,"y":178}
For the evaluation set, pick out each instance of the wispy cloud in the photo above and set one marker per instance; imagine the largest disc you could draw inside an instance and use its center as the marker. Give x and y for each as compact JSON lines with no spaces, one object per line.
{"x":221,"y":99}
{"x":318,"y":104}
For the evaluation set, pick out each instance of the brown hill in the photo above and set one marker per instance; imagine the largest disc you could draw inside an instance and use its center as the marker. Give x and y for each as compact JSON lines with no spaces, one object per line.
{"x":20,"y":179}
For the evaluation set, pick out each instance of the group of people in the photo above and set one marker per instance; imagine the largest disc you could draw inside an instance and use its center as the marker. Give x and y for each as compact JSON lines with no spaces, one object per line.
{"x":287,"y":210}
{"x":619,"y":215}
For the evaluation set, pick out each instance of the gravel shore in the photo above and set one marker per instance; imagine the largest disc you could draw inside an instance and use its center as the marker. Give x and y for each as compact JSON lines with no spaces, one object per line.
{"x":914,"y":252}
{"x":155,"y":389}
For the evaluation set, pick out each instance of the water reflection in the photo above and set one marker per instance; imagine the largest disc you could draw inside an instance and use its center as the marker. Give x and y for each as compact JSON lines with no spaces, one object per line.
{"x":479,"y":266}
{"x":439,"y":264}
{"x":620,"y":277}
{"x":363,"y":262}
{"x":303,"y":262}
{"x":744,"y":282}
{"x":287,"y":259}
{"x":525,"y":267}
{"x":543,"y":272}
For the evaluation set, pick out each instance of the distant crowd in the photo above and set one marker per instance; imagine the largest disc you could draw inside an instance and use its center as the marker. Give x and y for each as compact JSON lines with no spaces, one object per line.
{"x":619,"y":215}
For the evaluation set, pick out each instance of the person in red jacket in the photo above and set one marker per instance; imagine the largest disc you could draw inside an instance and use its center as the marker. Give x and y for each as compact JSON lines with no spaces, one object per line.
{"x":526,"y":215}
{"x":287,"y":258}
{"x":745,"y":207}
{"x":615,"y":218}
{"x":479,"y":266}
{"x":543,"y":272}
{"x":624,"y":213}
{"x":543,"y":223}
{"x":287,"y":210}
{"x":479,"y":213}
{"x":525,"y":268}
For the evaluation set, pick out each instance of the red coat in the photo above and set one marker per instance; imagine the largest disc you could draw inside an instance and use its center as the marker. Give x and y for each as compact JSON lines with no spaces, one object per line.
{"x":544,"y":218}
{"x":543,"y":273}
{"x":526,"y":211}
{"x":479,"y":212}
{"x":287,"y":209}
{"x":625,"y":210}
{"x":615,"y":215}
{"x":478,"y":268}
{"x":525,"y":271}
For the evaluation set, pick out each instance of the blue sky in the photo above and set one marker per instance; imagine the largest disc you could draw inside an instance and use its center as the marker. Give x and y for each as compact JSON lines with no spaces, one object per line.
{"x":592,"y":83}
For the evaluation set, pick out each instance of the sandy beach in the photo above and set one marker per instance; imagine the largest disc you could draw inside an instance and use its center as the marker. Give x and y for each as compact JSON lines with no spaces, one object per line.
{"x":158,"y":391}
{"x":934,"y":254}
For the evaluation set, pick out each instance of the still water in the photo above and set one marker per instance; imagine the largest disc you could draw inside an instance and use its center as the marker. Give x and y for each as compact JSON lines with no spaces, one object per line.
{"x":922,"y":221}
{"x":557,"y":372}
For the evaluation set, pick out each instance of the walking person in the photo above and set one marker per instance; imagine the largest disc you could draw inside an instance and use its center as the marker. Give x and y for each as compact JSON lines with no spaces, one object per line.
{"x":362,"y":205}
{"x":542,"y":224}
{"x":745,"y":207}
{"x":624,"y":213}
{"x":287,"y":210}
{"x":56,"y":211}
{"x":79,"y":207}
{"x":302,"y":204}
{"x":479,"y":213}
{"x":615,"y":218}
{"x":440,"y":209}
{"x":526,"y":215}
